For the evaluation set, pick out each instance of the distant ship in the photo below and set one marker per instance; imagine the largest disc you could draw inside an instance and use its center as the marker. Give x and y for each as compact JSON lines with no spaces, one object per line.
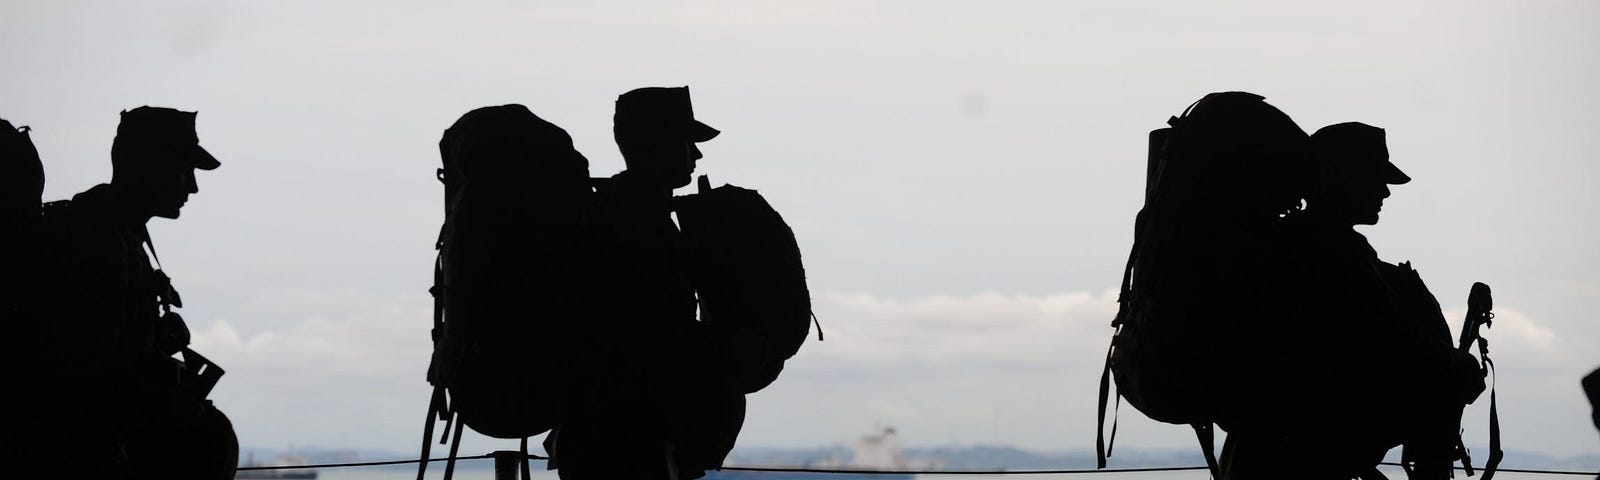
{"x":282,"y":460}
{"x":874,"y":454}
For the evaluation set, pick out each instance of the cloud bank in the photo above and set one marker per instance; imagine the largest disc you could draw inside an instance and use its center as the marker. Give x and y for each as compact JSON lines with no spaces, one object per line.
{"x":988,"y":368}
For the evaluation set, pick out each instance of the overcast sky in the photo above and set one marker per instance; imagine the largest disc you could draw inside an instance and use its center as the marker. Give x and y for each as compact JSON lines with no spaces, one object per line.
{"x":962,"y":177}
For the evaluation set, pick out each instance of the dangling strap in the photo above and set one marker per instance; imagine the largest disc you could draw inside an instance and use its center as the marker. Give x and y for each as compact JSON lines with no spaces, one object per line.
{"x":435,"y":405}
{"x":1116,"y":410}
{"x":438,"y":405}
{"x":819,"y":324}
{"x":1406,"y":462}
{"x":1208,"y":446}
{"x":449,"y":420}
{"x":1495,"y":453}
{"x":526,"y":473}
{"x":1100,"y":450}
{"x":455,"y":447}
{"x":672,"y":460}
{"x":1492,"y":464}
{"x":1465,"y":455}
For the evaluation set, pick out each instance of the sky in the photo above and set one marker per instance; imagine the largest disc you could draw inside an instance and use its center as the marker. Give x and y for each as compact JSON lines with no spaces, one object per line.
{"x":962,"y":179}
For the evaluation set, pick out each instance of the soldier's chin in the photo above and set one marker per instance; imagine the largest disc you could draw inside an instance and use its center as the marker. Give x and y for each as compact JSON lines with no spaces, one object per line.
{"x":169,"y":212}
{"x":683,"y":180}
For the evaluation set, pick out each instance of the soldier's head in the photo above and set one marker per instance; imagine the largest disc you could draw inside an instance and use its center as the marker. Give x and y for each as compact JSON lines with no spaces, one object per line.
{"x":656,"y":131}
{"x":154,"y":158}
{"x":1353,"y":172}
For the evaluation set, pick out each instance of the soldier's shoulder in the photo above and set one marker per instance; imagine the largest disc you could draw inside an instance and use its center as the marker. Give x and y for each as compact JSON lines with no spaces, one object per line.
{"x":85,"y":222}
{"x":87,"y":207}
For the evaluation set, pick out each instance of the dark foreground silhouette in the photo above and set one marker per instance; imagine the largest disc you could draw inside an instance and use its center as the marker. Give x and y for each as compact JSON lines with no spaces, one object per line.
{"x":1591,"y":389}
{"x":1251,"y":303}
{"x":577,"y":306}
{"x":113,"y":389}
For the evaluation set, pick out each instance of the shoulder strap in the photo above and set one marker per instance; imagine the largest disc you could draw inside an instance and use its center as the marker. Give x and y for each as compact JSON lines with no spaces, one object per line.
{"x":1103,"y":447}
{"x":527,"y":473}
{"x":1492,"y":464}
{"x":169,"y":296}
{"x":1208,"y":443}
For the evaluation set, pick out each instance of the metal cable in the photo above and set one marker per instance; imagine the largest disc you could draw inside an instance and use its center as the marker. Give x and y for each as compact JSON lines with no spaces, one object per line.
{"x":868,"y":472}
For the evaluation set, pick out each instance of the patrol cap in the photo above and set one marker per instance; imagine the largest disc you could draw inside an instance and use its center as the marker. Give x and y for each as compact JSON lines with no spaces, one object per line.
{"x":1357,"y":142}
{"x":166,"y":126}
{"x":662,"y":110}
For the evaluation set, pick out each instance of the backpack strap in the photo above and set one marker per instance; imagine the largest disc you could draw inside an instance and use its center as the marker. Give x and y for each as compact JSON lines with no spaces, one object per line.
{"x":1208,"y":443}
{"x":169,"y":296}
{"x":1101,"y":450}
{"x":455,"y":447}
{"x":527,"y":474}
{"x":1495,"y":453}
{"x":435,"y":407}
{"x":438,"y":405}
{"x":1471,"y":333}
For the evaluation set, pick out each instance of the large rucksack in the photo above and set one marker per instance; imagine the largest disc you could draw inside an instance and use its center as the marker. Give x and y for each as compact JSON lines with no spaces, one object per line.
{"x":750,"y":281}
{"x":508,"y":288}
{"x":1217,"y":180}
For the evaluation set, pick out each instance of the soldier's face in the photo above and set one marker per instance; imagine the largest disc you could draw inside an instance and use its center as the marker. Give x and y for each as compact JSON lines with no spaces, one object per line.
{"x":171,"y":191}
{"x":674,"y":162}
{"x":1356,"y":195}
{"x":691,"y":156}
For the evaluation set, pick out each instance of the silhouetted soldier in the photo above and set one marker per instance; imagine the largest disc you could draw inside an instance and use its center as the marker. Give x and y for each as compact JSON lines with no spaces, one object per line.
{"x":1380,"y":370}
{"x":23,"y":177}
{"x":661,"y":405}
{"x":129,"y":408}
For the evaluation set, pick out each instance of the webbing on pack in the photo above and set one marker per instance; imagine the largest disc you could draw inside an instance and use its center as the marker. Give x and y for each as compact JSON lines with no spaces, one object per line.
{"x":1102,"y":447}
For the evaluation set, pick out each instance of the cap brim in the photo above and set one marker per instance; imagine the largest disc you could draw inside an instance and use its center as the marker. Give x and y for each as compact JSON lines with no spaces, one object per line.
{"x":700,"y":132}
{"x":1393,"y":176}
{"x":203,"y":159}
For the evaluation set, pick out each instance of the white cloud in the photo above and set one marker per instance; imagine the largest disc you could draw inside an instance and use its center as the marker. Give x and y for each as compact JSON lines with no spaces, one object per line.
{"x":347,"y":370}
{"x":982,"y":368}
